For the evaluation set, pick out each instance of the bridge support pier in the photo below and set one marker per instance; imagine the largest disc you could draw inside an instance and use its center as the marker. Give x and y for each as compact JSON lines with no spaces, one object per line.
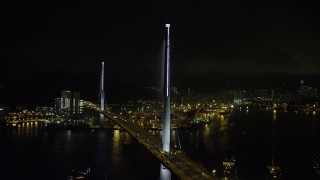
{"x":165,"y":174}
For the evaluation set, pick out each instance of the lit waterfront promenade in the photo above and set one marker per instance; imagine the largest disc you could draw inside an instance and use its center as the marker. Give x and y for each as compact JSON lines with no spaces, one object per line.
{"x":175,"y":161}
{"x":16,"y":123}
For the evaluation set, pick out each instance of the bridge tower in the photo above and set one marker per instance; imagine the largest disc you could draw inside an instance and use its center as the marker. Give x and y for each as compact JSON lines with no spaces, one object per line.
{"x":166,"y":99}
{"x":102,"y":96}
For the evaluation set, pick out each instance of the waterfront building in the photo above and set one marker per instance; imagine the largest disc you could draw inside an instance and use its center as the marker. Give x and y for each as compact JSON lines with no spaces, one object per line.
{"x":65,"y":101}
{"x":57,"y":105}
{"x":69,"y":104}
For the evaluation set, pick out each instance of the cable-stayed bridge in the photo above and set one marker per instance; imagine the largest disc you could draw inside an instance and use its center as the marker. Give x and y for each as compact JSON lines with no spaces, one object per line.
{"x":175,"y":160}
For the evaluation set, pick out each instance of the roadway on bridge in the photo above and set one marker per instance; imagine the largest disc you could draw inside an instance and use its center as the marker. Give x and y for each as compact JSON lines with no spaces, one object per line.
{"x":176,"y":161}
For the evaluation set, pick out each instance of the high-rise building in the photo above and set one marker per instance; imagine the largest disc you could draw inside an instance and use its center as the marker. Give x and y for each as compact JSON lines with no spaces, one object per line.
{"x":238,"y":97}
{"x":75,"y":105}
{"x":66,"y":97}
{"x":81,"y":104}
{"x":57,"y":105}
{"x":70,"y":103}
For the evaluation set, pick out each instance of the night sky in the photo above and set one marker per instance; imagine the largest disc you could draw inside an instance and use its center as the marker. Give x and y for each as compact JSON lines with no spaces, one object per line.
{"x":47,"y":46}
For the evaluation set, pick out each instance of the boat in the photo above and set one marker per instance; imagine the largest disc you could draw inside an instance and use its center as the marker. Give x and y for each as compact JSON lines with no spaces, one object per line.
{"x":316,"y":164}
{"x":229,"y":165}
{"x":274,"y":171}
{"x":80,"y":174}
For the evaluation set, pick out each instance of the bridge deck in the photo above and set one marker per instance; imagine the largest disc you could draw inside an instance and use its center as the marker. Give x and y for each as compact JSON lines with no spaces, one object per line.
{"x":176,"y":161}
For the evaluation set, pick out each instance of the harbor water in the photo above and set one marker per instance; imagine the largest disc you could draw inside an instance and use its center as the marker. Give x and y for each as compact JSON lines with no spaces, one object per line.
{"x":255,"y":136}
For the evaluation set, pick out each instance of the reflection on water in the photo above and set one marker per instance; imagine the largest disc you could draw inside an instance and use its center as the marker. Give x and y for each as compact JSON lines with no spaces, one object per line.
{"x":274,"y":115}
{"x":41,"y":154}
{"x":26,"y":129}
{"x":36,"y":153}
{"x":254,"y":135}
{"x":223,"y":129}
{"x":116,"y":148}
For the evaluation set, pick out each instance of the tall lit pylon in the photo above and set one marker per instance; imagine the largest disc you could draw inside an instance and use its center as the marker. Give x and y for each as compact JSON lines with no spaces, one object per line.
{"x":166,"y":99}
{"x":102,"y":103}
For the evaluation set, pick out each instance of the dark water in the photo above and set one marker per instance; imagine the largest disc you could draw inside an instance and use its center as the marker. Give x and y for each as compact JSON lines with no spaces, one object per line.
{"x":30,"y":154}
{"x":293,"y":139}
{"x":33,"y":153}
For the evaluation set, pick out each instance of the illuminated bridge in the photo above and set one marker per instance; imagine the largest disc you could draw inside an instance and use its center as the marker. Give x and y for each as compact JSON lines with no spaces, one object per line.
{"x":171,"y":158}
{"x":176,"y":161}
